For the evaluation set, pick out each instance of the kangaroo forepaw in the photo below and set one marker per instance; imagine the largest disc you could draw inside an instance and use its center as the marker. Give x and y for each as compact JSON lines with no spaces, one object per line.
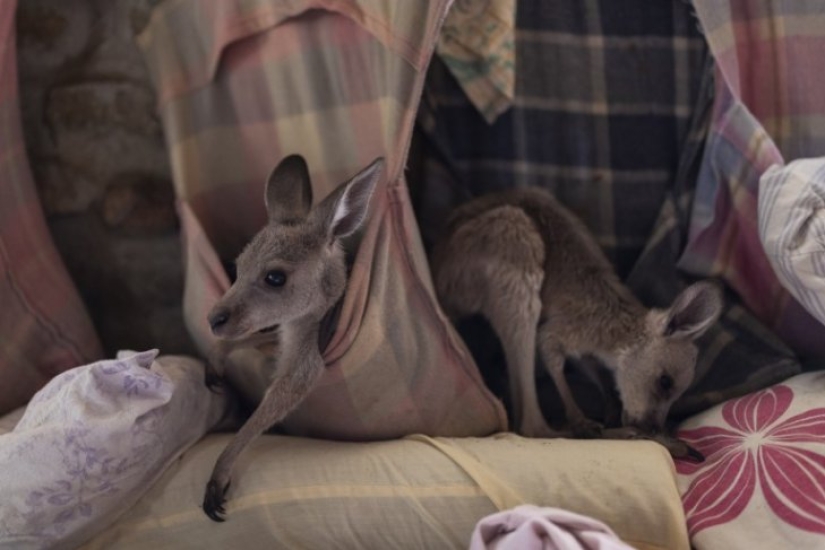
{"x":694,"y":454}
{"x":680,"y":449}
{"x":214,"y":381}
{"x":214,"y":499}
{"x":676,"y":447}
{"x":537,"y":430}
{"x":585,"y":428}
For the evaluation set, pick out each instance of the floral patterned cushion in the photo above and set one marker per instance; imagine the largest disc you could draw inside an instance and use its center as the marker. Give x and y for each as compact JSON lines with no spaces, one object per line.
{"x":93,"y":441}
{"x":762,"y":484}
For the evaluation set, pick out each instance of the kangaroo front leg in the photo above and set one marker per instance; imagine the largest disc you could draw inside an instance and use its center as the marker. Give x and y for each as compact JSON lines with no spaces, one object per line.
{"x":215,"y":365}
{"x":282,"y":396}
{"x":675,"y":446}
{"x":580,"y":425}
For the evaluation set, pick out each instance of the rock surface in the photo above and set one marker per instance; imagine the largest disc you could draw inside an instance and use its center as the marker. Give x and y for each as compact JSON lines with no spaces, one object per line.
{"x":99,"y":160}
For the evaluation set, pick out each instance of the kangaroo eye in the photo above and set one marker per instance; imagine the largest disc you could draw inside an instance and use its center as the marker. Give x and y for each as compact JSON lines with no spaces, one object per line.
{"x":665,"y":382}
{"x":275,"y":278}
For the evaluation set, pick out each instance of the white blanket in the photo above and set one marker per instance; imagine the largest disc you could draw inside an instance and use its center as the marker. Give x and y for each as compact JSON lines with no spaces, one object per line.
{"x":531,"y":527}
{"x":93,"y":440}
{"x":792,"y":229}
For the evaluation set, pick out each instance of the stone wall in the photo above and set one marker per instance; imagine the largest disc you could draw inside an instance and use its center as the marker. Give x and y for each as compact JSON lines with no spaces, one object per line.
{"x":98,"y":156}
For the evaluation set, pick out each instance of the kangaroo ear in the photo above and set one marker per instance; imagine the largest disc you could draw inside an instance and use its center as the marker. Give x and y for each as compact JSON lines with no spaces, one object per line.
{"x":694,"y":311}
{"x":346,"y":209}
{"x":288,"y":195}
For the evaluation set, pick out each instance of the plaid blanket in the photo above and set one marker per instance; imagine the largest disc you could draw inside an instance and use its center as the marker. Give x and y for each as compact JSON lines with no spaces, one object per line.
{"x":769,"y":110}
{"x":613,"y":102}
{"x":44,"y":326}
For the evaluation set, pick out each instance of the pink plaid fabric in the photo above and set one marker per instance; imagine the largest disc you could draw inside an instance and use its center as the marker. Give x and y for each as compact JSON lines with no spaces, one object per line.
{"x":244,"y":83}
{"x":44,"y":328}
{"x":769,"y":110}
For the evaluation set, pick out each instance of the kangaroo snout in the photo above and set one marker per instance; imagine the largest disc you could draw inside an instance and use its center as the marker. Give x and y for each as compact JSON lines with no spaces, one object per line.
{"x":218,"y":318}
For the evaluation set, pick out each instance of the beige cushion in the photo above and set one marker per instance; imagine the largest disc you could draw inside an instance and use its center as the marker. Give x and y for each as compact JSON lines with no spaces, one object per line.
{"x":418,"y":492}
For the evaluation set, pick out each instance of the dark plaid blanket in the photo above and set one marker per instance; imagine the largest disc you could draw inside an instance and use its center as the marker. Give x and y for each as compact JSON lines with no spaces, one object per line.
{"x":611,"y":109}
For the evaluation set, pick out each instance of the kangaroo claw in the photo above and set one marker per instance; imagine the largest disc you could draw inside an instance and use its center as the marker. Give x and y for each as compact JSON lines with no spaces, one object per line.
{"x":675,"y":446}
{"x":214,"y":499}
{"x":694,"y":454}
{"x":586,"y":428}
{"x":679,"y":448}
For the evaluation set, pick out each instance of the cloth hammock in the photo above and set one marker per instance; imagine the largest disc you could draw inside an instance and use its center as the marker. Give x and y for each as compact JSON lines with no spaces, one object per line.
{"x":241,"y":84}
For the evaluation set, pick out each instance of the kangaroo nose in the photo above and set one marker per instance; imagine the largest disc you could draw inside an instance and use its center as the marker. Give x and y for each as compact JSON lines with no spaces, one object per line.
{"x":218,"y":318}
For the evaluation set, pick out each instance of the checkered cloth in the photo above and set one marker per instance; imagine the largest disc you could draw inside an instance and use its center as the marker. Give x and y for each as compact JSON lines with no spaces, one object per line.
{"x":769,"y":110}
{"x":243,"y":83}
{"x":612,"y":105}
{"x":478,"y":46}
{"x":44,"y":327}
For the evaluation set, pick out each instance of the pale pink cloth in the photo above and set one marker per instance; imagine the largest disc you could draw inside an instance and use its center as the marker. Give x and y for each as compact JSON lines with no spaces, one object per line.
{"x":530,"y":527}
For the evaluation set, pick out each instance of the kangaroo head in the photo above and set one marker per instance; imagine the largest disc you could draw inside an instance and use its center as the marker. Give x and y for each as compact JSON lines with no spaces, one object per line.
{"x":660,"y":366}
{"x":295,"y":266}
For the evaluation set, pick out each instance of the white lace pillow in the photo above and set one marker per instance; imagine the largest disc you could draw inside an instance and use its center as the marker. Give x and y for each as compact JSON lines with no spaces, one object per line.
{"x":93,"y":440}
{"x":792,"y":229}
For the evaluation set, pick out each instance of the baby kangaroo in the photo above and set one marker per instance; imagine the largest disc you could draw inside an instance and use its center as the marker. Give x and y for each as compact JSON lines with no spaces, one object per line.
{"x":528,"y":265}
{"x":288,"y":276}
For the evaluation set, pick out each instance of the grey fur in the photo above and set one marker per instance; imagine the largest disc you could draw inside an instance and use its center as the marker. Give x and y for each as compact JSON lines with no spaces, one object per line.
{"x":534,"y":271}
{"x":304,"y":245}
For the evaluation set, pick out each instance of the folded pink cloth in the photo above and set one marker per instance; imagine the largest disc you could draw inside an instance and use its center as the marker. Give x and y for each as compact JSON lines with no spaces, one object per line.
{"x":527,"y":527}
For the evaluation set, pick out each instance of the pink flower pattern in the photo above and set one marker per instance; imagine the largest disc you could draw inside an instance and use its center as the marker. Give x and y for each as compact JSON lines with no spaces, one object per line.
{"x":757,"y":451}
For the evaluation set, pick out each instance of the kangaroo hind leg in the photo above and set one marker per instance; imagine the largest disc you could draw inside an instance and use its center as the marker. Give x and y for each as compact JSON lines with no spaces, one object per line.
{"x":509,"y":255}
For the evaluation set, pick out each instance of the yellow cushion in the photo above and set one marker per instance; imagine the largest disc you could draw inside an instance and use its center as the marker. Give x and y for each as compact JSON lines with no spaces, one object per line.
{"x":418,"y":492}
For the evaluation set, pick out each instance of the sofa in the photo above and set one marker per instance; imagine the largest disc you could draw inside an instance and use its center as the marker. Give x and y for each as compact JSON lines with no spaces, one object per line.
{"x":659,"y":126}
